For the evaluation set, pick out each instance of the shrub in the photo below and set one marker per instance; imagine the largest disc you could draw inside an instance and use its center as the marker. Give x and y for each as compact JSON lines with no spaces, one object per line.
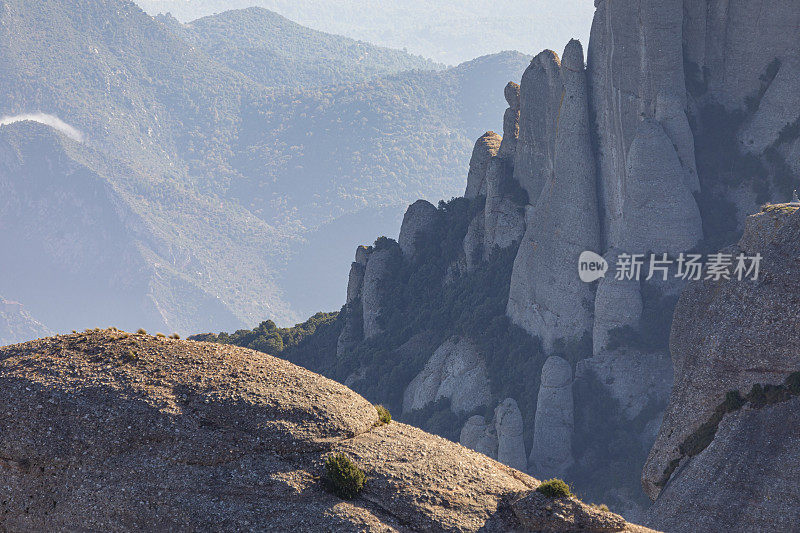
{"x":141,"y":331}
{"x":161,"y":336}
{"x":554,"y":488}
{"x":343,"y":477}
{"x":384,"y":416}
{"x":175,"y":336}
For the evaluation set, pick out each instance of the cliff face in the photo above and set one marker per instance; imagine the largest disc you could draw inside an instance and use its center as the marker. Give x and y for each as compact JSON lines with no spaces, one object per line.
{"x":120,"y":432}
{"x":730,"y":429}
{"x":681,"y":119}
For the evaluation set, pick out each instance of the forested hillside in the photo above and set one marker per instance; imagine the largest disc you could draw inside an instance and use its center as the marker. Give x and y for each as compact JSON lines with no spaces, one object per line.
{"x":449,"y":31}
{"x":216,"y":172}
{"x":277,"y":52}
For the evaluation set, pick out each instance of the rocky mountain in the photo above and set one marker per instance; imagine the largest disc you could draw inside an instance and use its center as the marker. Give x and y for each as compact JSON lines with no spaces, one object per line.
{"x":125,"y":432}
{"x":17,"y":324}
{"x":207,"y":177}
{"x":730,"y":429}
{"x":444,"y":30}
{"x":677,"y":123}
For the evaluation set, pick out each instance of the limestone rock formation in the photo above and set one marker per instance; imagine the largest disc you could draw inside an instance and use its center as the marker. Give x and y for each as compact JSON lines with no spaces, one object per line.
{"x":730,"y":335}
{"x":733,"y":42}
{"x":617,"y":303}
{"x":551,"y":454}
{"x":17,"y":324}
{"x":541,"y":91}
{"x":473,"y":242}
{"x":455,"y":371}
{"x":508,"y":147}
{"x":508,"y":427}
{"x":353,"y":330}
{"x":660,"y":213}
{"x":779,"y":108}
{"x":418,"y":223}
{"x":480,"y":436}
{"x":356,"y":278}
{"x":485,"y":149}
{"x":634,"y":378}
{"x":635,"y":54}
{"x":378,"y":269}
{"x":671,"y":114}
{"x":130,"y":432}
{"x":546,"y":296}
{"x":504,"y":221}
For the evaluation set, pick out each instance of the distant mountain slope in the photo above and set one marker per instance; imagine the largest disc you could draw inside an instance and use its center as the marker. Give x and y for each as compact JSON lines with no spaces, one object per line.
{"x":275,"y":51}
{"x":225,"y":180}
{"x":17,"y":325}
{"x":450,"y":31}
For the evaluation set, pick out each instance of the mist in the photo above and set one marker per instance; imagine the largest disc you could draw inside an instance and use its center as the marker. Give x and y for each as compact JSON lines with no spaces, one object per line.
{"x":48,"y":120}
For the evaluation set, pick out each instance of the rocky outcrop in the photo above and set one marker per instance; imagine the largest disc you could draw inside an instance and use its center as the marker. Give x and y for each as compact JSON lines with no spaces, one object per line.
{"x":17,"y":324}
{"x":732,"y":43}
{"x":376,"y":273}
{"x":418,"y":225}
{"x":504,"y":221}
{"x":356,"y":278}
{"x":353,"y":330}
{"x":617,"y":303}
{"x":485,"y":149}
{"x":480,"y":436}
{"x":508,"y":148}
{"x":130,"y":432}
{"x":660,"y":213}
{"x":455,"y":371}
{"x":508,"y":427}
{"x":671,"y":114}
{"x":730,"y":335}
{"x":541,"y":90}
{"x":546,"y":297}
{"x":779,"y":108}
{"x":635,"y":54}
{"x":551,"y":454}
{"x":634,"y":378}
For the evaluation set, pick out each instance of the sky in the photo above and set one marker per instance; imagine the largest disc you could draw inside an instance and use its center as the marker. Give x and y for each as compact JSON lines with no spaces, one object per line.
{"x":448,"y":31}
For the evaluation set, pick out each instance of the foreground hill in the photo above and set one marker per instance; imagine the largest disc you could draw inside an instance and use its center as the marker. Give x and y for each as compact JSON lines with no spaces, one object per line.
{"x":213,"y":170}
{"x":121,"y":432}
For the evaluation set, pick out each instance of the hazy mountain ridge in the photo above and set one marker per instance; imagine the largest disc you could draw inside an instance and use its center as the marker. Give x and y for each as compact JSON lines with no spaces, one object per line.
{"x":445,"y":30}
{"x":277,"y":52}
{"x":208,"y":161}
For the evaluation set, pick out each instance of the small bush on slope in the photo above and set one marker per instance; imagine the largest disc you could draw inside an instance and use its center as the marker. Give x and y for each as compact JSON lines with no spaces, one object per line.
{"x":554,"y":488}
{"x":343,"y":477}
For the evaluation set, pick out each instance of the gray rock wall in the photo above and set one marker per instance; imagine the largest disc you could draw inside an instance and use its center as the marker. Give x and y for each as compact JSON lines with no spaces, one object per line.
{"x":508,"y":426}
{"x":418,"y":223}
{"x":546,"y":296}
{"x":486,"y":147}
{"x":455,"y":371}
{"x":378,"y":269}
{"x":540,"y":99}
{"x":551,"y":454}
